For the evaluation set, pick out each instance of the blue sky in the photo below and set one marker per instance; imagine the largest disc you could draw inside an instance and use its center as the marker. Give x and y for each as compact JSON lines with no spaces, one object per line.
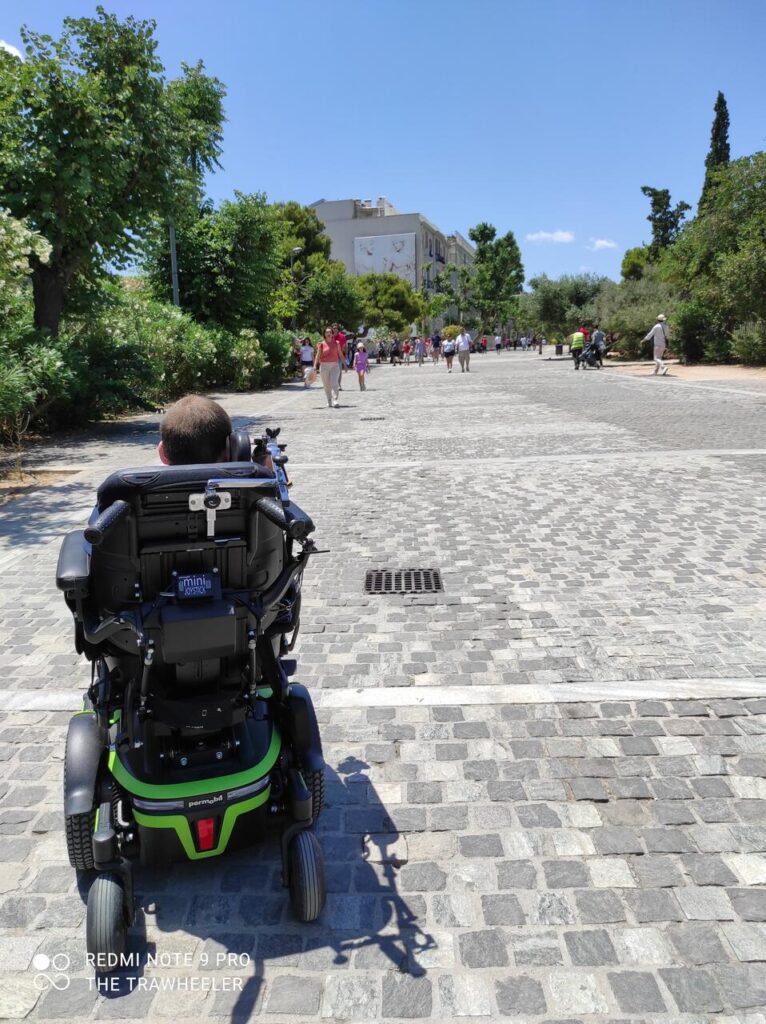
{"x":540,"y":116}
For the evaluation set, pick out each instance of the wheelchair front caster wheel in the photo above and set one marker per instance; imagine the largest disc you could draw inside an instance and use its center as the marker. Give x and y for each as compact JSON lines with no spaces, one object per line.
{"x":307,"y":885}
{"x":106,"y":928}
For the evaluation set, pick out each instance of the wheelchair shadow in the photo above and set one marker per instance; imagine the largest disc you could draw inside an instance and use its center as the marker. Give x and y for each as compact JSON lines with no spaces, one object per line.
{"x":241,"y":911}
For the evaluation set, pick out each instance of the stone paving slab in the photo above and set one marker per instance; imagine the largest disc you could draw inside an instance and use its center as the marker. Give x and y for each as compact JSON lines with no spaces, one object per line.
{"x":544,"y":800}
{"x":535,"y":861}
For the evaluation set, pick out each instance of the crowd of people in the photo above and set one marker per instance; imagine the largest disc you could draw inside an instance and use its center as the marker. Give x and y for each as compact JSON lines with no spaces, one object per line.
{"x":335,"y":353}
{"x":335,"y":349}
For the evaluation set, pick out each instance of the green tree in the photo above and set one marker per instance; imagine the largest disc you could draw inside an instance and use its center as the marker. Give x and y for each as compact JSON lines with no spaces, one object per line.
{"x":718,"y":154}
{"x":302,"y":228}
{"x":664,"y":219}
{"x":719,"y":259}
{"x":304,"y":252}
{"x":453,"y":291}
{"x":228,"y":263}
{"x":94,"y":144}
{"x":331,"y":295}
{"x":498,"y":278}
{"x":18,"y":244}
{"x":634,"y":263}
{"x":558,"y":306}
{"x":629,"y":309}
{"x":389,"y":300}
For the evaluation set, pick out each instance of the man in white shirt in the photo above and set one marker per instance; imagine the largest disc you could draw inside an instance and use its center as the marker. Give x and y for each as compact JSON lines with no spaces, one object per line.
{"x":463,"y":348}
{"x":659,"y":338}
{"x":498,"y":343}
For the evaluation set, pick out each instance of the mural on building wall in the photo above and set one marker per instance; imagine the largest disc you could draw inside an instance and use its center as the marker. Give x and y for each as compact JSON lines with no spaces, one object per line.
{"x":386,"y":254}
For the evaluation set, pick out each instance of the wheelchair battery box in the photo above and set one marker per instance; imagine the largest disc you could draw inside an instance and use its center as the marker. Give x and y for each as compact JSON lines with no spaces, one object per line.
{"x":193,"y":631}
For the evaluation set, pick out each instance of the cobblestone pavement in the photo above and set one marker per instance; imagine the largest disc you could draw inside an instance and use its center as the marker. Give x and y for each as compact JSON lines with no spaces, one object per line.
{"x":546,"y":786}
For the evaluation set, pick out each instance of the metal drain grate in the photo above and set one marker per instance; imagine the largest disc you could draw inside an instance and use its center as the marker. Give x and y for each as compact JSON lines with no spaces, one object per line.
{"x":371,"y":419}
{"x":403,"y":581}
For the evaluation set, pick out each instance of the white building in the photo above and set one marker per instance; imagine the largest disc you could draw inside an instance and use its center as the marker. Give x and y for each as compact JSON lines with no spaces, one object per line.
{"x":376,"y":238}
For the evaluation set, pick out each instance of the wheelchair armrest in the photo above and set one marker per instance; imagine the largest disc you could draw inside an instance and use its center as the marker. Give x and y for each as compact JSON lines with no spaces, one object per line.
{"x":73,"y":570}
{"x":292,"y":519}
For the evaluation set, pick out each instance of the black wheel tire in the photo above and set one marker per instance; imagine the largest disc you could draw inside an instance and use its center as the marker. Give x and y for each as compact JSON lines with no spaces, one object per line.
{"x":307,"y":885}
{"x":106,"y":927}
{"x":79,"y":839}
{"x":79,"y":828}
{"x":315,"y":785}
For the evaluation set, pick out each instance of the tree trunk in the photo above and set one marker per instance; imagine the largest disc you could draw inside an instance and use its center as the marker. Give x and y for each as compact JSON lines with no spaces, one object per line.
{"x":48,"y":289}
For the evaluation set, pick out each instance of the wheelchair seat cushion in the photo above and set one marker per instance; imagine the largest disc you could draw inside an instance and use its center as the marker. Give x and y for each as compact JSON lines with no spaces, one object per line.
{"x":127,"y":484}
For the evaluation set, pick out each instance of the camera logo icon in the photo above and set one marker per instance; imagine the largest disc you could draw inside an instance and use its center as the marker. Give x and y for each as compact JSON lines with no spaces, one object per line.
{"x":58,"y":964}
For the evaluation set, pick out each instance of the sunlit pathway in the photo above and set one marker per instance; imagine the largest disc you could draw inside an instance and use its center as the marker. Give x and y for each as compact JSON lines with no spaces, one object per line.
{"x":547,"y":782}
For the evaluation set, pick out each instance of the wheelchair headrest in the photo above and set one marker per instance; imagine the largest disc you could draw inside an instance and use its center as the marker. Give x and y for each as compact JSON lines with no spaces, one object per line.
{"x":128,"y":484}
{"x":240,"y":446}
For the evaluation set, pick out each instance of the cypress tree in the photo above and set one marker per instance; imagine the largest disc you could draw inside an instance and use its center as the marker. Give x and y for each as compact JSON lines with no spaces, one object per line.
{"x":718,"y":154}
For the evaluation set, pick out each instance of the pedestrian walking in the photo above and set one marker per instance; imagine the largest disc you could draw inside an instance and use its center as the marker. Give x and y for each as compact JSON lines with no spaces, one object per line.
{"x":498,"y":343}
{"x":576,"y":347}
{"x":659,"y":339}
{"x":361,"y":365}
{"x":307,"y":359}
{"x":463,"y":349}
{"x":436,"y":345}
{"x":340,"y":337}
{"x":420,"y":350}
{"x":599,"y":340}
{"x":396,"y":352}
{"x":328,"y":360}
{"x":407,"y":349}
{"x":449,"y":353}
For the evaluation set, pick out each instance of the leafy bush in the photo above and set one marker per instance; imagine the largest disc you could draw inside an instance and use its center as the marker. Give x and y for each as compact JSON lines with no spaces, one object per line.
{"x":241,"y":361}
{"x":699,"y":333}
{"x":748,"y":343}
{"x":278,"y":350}
{"x":130,"y":351}
{"x":450,"y":332}
{"x":630,"y":309}
{"x":33,"y":372}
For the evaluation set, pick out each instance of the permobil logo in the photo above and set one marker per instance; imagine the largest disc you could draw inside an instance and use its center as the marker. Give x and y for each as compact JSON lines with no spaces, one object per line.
{"x":206,"y":801}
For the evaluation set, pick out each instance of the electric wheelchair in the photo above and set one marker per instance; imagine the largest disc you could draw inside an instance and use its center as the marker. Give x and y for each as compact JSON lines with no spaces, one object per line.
{"x":185,"y":589}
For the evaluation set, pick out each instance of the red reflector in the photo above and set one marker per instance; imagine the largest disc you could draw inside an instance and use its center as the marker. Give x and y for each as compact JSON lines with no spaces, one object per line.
{"x":205,"y":831}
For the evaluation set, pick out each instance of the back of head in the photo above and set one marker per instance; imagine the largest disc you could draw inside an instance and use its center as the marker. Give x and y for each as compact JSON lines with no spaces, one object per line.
{"x":195,"y":430}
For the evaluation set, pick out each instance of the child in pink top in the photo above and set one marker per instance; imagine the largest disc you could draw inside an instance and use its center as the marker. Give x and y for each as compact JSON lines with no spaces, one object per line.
{"x":361,"y":365}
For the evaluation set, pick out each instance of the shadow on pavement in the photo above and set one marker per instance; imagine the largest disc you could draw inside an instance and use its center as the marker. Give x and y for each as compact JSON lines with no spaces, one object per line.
{"x":239,"y":908}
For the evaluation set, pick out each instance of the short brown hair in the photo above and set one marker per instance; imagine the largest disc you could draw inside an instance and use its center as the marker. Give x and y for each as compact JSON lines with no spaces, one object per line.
{"x":194,"y":429}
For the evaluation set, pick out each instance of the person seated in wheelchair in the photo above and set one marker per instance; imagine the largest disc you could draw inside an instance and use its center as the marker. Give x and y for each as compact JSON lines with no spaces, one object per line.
{"x":198,"y":430}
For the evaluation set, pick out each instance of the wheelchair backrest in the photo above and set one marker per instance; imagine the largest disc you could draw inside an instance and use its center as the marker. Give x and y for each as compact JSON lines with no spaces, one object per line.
{"x":168,"y":530}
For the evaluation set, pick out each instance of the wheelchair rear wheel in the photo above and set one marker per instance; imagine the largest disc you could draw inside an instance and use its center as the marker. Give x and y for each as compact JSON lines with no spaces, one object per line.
{"x":315,"y":785}
{"x":307,"y":884}
{"x":79,"y":839}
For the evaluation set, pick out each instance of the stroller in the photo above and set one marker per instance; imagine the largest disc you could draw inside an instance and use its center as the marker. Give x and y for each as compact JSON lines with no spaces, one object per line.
{"x":593,"y":354}
{"x":186,"y":593}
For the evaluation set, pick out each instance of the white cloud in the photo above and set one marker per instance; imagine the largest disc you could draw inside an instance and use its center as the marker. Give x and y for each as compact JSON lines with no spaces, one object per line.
{"x":10,"y":49}
{"x":601,"y":243}
{"x":551,"y":236}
